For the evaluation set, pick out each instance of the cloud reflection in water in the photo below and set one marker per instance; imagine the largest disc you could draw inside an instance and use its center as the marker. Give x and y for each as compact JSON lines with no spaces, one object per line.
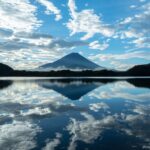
{"x":28,"y":107}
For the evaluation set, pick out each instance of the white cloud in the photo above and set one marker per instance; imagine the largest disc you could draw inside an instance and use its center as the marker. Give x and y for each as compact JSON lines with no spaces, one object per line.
{"x":137,"y":27}
{"x":30,"y":50}
{"x":87,"y":130}
{"x":18,"y":15}
{"x":97,"y":106}
{"x":36,"y":111}
{"x":99,"y":46}
{"x":5,"y":33}
{"x":18,"y":135}
{"x":130,"y":34}
{"x":118,"y":61}
{"x":51,"y":9}
{"x":87,"y":22}
{"x":141,"y":109}
{"x":138,"y":123}
{"x":21,"y":47}
{"x":124,"y":56}
{"x":142,"y":42}
{"x":52,"y":144}
{"x":117,"y":90}
{"x":126,"y":20}
{"x":31,"y":97}
{"x":120,"y":65}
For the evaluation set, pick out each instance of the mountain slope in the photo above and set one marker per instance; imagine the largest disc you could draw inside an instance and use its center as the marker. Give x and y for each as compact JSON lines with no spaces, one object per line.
{"x":5,"y":69}
{"x":71,"y":61}
{"x":141,"y":70}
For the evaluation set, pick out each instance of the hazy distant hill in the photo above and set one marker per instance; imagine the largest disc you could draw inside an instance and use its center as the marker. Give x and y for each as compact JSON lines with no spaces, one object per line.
{"x":5,"y":69}
{"x":73,"y":61}
{"x":141,"y":70}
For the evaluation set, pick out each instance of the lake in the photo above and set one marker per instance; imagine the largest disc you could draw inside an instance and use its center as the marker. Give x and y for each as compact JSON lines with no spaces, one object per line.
{"x":75,"y":114}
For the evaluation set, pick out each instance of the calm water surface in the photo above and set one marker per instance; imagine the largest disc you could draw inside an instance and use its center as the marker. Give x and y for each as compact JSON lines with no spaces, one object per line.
{"x":75,"y":114}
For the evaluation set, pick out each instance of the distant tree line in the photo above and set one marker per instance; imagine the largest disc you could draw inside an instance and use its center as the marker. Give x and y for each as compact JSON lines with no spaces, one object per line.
{"x":140,"y":70}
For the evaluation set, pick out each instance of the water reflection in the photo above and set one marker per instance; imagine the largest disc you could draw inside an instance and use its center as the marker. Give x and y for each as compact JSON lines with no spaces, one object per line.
{"x":73,"y":89}
{"x":143,"y":83}
{"x":5,"y":84}
{"x":107,"y":114}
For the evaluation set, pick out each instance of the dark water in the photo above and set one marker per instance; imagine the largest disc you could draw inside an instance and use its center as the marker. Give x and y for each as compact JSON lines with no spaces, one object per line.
{"x":75,"y":114}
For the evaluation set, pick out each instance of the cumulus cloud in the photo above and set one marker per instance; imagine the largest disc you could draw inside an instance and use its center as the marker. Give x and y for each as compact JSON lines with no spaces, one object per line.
{"x":23,"y":40}
{"x":87,"y":130}
{"x":86,"y":21}
{"x":98,"y":45}
{"x":137,"y":27}
{"x":18,"y":135}
{"x":132,"y":120}
{"x":51,"y":9}
{"x":18,"y":15}
{"x":121,"y":65}
{"x":142,"y":42}
{"x":116,"y":60}
{"x":126,"y":20}
{"x":135,"y":54}
{"x":20,"y":45}
{"x":137,"y":128}
{"x":32,"y":35}
{"x":141,"y":109}
{"x":52,"y":144}
{"x":117,"y":90}
{"x":24,"y":102}
{"x":5,"y":33}
{"x":29,"y":100}
{"x":25,"y":99}
{"x":30,"y":50}
{"x":97,"y":106}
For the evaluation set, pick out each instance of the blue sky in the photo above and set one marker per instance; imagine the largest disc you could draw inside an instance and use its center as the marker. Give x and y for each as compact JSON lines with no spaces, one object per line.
{"x":112,"y":33}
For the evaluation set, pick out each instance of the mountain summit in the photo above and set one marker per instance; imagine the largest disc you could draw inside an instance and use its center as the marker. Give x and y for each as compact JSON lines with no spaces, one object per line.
{"x":71,"y":61}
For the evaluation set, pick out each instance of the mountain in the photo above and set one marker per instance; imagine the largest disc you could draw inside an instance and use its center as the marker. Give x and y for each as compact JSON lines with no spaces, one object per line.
{"x":139,"y":70}
{"x":73,"y":61}
{"x":75,"y":69}
{"x":5,"y":69}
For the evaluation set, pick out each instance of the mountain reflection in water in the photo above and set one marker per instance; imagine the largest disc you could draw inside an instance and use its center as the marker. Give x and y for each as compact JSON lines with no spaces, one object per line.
{"x":107,"y":114}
